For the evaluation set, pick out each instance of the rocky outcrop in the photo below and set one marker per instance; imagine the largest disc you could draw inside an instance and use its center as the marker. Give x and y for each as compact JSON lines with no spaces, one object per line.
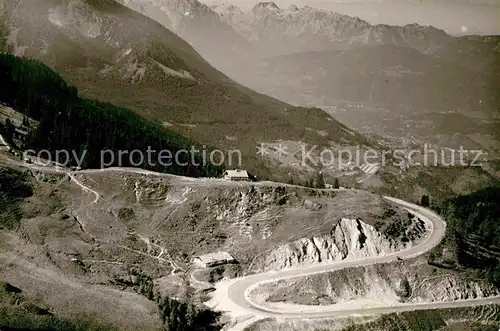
{"x":452,"y":288}
{"x":349,"y":239}
{"x":250,"y":219}
{"x":408,"y":281}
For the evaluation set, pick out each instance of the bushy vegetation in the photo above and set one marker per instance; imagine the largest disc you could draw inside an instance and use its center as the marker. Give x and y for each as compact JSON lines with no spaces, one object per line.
{"x":315,"y":180}
{"x":477,"y":213}
{"x":410,"y":321}
{"x":141,"y":283}
{"x":18,"y":312}
{"x":476,"y":318}
{"x":13,"y":188}
{"x":179,"y":316}
{"x":28,"y":85}
{"x":474,"y":226}
{"x":70,"y":123}
{"x":424,"y":201}
{"x":175,"y":315}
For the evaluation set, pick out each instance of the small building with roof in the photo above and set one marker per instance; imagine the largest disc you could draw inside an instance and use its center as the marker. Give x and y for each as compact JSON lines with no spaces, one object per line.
{"x":213,"y":259}
{"x":236,"y":175}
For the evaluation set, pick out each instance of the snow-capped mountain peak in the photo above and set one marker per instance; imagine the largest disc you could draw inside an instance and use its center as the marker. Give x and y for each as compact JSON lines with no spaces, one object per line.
{"x":270,"y":30}
{"x":297,"y":29}
{"x":227,"y":9}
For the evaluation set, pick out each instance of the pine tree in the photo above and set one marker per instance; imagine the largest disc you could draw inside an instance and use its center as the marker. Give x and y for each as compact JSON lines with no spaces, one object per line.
{"x":9,"y":129}
{"x":190,"y":315}
{"x":172,"y":320}
{"x":319,"y":182}
{"x":26,"y":123}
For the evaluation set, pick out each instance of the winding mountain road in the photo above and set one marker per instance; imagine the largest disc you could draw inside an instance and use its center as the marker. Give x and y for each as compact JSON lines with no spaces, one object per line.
{"x":233,"y":296}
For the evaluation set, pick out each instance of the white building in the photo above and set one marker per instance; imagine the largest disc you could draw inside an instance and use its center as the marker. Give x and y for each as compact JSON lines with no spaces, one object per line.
{"x":236,"y":175}
{"x":213,"y":259}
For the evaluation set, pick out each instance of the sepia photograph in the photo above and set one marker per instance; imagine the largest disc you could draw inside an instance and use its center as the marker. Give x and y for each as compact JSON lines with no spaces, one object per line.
{"x":239,"y":165}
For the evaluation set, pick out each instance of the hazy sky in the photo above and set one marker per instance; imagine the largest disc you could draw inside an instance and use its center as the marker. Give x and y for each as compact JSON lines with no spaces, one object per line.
{"x":454,"y":16}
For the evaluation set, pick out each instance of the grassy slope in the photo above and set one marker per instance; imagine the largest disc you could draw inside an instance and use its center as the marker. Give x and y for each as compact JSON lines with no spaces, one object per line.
{"x":18,"y":312}
{"x":56,"y":293}
{"x":13,"y":188}
{"x":205,"y":216}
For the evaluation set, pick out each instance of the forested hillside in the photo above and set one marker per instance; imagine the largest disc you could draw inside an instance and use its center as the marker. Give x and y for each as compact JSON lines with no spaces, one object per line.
{"x":477,"y":213}
{"x":474,"y":231}
{"x":68,"y":122}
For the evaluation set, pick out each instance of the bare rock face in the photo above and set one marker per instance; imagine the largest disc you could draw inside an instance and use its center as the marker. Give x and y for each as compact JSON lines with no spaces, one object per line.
{"x":391,"y":283}
{"x":452,"y":288}
{"x":349,"y":239}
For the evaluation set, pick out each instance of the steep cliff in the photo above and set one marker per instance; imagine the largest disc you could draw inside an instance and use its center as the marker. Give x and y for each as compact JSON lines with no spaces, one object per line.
{"x":349,"y":239}
{"x":408,"y":281}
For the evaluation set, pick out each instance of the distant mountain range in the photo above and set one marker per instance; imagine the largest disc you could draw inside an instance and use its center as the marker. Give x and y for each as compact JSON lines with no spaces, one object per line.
{"x":291,"y":30}
{"x":272,"y":31}
{"x":235,"y":41}
{"x":221,"y":31}
{"x":267,"y":30}
{"x":317,"y":57}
